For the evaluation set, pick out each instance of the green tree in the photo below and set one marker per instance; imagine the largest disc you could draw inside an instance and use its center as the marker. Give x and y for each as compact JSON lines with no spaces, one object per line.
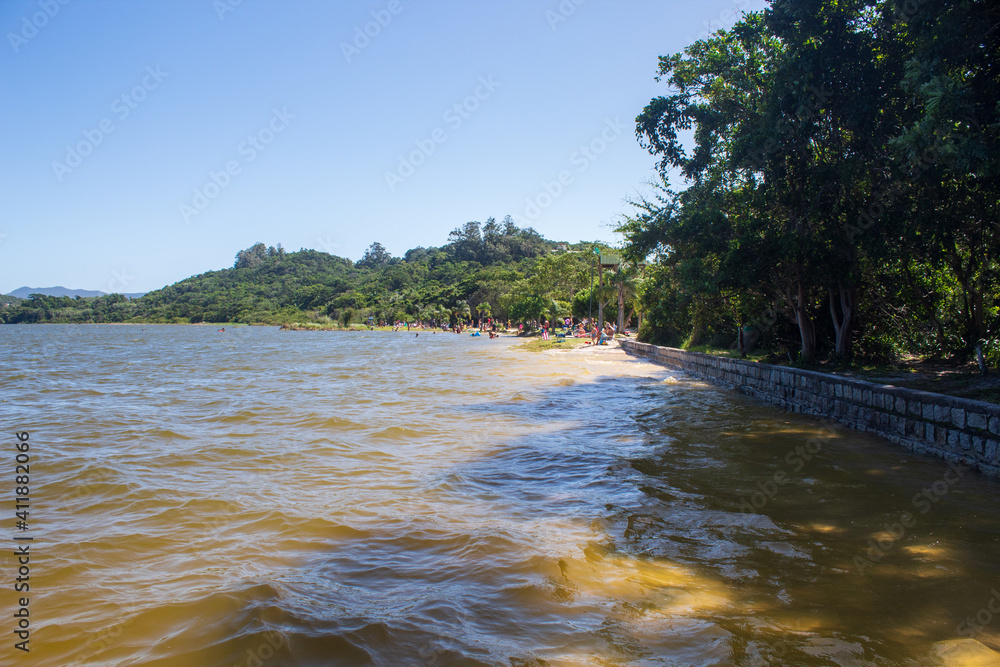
{"x":484,"y":310}
{"x":375,"y":256}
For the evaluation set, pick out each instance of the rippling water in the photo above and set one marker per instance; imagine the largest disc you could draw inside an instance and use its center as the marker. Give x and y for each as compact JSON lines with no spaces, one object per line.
{"x":258,"y":497}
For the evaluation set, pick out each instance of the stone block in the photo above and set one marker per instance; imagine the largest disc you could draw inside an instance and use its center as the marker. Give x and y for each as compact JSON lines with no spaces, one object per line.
{"x":978,"y":444}
{"x":991,"y":450}
{"x":900,"y":405}
{"x":953,"y":439}
{"x":942,"y":413}
{"x":928,"y":412}
{"x":915,"y":407}
{"x":839,"y":390}
{"x":965,"y":440}
{"x":958,"y":417}
{"x":976,"y":420}
{"x":866,"y":397}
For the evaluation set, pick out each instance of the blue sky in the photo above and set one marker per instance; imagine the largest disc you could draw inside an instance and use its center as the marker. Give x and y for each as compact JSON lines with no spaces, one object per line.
{"x":144,"y":142}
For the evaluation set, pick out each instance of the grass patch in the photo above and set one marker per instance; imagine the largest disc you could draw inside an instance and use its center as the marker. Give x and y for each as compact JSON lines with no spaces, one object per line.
{"x":539,"y":345}
{"x":761,"y":356}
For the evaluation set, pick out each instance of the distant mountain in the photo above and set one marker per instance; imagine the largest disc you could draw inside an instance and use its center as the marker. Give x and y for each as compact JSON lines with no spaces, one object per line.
{"x":24,"y":292}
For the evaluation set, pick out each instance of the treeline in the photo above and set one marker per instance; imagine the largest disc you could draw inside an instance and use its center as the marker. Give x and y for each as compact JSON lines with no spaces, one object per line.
{"x":840,"y":166}
{"x":492,"y":269}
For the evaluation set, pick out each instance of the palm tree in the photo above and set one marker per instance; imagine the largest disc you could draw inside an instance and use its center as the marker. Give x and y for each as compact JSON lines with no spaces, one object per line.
{"x":554,"y":312}
{"x":484,"y":310}
{"x":626,"y":283}
{"x":462,"y":311}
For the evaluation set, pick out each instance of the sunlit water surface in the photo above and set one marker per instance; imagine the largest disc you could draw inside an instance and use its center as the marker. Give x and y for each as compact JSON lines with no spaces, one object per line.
{"x":258,"y":497}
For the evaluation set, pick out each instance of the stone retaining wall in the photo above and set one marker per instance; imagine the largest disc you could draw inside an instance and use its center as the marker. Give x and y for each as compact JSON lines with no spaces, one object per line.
{"x":955,"y":429}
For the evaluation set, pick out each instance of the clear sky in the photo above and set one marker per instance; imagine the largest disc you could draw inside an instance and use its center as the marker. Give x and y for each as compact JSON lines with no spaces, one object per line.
{"x":142,"y":142}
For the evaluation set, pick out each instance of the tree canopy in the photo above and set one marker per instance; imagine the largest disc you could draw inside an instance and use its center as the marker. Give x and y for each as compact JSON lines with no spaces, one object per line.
{"x":835,"y":176}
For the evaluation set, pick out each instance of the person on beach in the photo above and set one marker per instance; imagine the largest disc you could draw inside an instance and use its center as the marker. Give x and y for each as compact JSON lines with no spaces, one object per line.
{"x":545,"y":330}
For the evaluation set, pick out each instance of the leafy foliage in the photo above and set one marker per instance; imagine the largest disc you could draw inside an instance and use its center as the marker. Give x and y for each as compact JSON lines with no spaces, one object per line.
{"x":839,"y":176}
{"x":487,"y":270}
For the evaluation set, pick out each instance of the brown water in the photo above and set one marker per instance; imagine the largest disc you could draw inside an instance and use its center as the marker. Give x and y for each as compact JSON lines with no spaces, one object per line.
{"x":258,"y":497}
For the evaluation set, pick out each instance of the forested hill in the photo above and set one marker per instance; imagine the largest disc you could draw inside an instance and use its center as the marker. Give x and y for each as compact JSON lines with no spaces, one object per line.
{"x":491,"y":268}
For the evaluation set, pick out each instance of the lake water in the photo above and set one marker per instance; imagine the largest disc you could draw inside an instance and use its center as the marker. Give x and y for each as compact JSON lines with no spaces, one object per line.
{"x":259,"y":497}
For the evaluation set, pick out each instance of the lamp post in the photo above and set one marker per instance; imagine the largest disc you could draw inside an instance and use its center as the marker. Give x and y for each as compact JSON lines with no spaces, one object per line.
{"x":590,"y":309}
{"x":600,"y":303}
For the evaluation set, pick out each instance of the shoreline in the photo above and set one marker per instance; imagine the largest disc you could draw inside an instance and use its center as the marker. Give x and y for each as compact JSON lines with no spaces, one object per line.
{"x":959,"y":430}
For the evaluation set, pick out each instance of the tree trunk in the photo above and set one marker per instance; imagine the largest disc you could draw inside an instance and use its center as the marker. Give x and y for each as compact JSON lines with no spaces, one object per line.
{"x":807,"y":330}
{"x":844,"y":322}
{"x":600,"y":303}
{"x":621,"y":307}
{"x":972,"y":298}
{"x":929,"y":308}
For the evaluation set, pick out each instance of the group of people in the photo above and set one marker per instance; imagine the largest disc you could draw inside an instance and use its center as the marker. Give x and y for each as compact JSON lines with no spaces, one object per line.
{"x":597,"y":335}
{"x":586,"y":328}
